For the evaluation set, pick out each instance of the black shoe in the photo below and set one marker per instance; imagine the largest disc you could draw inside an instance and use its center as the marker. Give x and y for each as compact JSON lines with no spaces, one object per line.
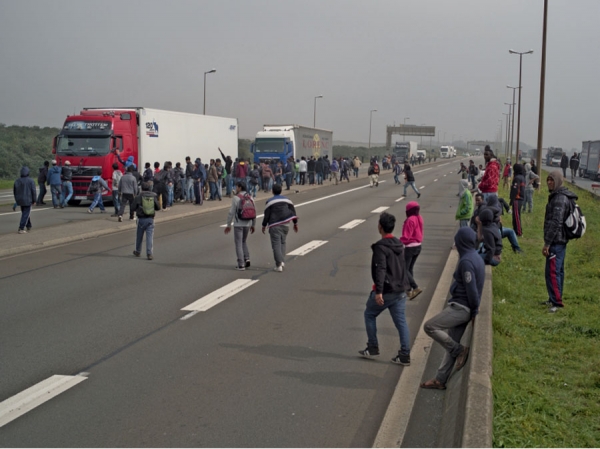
{"x":402,"y":359}
{"x":248,"y":263}
{"x":518,"y":250}
{"x":418,"y":195}
{"x":136,"y":254}
{"x":150,"y":257}
{"x":369,"y":352}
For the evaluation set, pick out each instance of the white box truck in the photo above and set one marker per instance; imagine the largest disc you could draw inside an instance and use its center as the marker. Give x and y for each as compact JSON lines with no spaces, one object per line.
{"x":91,"y":140}
{"x":291,"y":141}
{"x":447,"y":152}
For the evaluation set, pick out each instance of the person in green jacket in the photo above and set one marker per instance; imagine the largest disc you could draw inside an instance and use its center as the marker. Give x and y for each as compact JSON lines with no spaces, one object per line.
{"x":465,"y":204}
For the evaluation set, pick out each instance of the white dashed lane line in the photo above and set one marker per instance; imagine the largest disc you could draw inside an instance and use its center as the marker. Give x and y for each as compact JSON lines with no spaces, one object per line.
{"x":305,"y":249}
{"x":380,"y":210}
{"x":352,"y":224}
{"x":214,"y":298}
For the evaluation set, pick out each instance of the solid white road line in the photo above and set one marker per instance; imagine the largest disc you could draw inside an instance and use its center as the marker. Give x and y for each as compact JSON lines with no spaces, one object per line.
{"x":352,"y":224}
{"x":27,"y":400}
{"x":220,"y":295}
{"x":421,"y":171}
{"x":380,"y":210}
{"x":399,"y":199}
{"x":421,"y":188}
{"x":303,"y":250}
{"x":33,"y":209}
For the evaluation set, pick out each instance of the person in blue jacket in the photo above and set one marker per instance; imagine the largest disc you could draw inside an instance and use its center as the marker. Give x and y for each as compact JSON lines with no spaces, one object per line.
{"x":55,"y":183}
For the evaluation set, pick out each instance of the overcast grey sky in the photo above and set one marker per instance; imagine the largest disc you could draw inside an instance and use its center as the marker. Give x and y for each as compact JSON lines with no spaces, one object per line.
{"x":441,"y":63}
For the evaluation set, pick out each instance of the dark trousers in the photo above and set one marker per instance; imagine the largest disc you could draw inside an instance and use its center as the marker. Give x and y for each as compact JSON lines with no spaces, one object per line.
{"x":25,"y":218}
{"x":517,"y":207}
{"x":126,"y":198}
{"x":43,"y":190}
{"x":302,"y":178}
{"x":198,"y":192}
{"x":411,"y":253}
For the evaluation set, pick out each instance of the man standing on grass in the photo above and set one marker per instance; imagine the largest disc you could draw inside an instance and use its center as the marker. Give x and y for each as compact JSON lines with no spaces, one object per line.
{"x":448,"y":326}
{"x":555,"y":238}
{"x":390,"y":283}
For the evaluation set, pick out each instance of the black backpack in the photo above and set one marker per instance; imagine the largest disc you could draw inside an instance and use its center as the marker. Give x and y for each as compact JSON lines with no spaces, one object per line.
{"x":94,"y":186}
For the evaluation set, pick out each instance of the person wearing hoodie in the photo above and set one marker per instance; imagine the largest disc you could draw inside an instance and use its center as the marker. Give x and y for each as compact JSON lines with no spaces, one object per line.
{"x":241,"y":227}
{"x":448,"y":326}
{"x":25,"y":196}
{"x":517,"y":197}
{"x":95,"y":190}
{"x":530,"y":180}
{"x":488,"y":234}
{"x":491,"y":175}
{"x":390,"y":283}
{"x":555,"y":239}
{"x":465,"y":204}
{"x":53,"y":180}
{"x":279,"y":212}
{"x":128,"y":189}
{"x":42,"y":177}
{"x":497,"y":205}
{"x":198,"y":177}
{"x":412,"y":237}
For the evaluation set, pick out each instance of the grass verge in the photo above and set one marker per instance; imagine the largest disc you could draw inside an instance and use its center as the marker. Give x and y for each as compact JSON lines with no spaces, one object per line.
{"x":6,"y":184}
{"x":546,"y":368}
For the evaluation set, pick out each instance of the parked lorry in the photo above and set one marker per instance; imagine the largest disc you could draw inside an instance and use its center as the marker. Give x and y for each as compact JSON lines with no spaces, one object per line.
{"x":405,"y":150}
{"x":590,"y":159}
{"x":422,"y":153}
{"x":447,"y":151}
{"x":291,"y":141}
{"x":553,"y":156}
{"x":97,"y":137}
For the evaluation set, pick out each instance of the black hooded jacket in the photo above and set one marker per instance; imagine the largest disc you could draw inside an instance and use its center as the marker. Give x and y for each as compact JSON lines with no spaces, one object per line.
{"x":24,"y":189}
{"x":492,"y":239}
{"x":388,"y":268}
{"x":469,"y":277}
{"x":559,"y":205}
{"x":517,"y":188}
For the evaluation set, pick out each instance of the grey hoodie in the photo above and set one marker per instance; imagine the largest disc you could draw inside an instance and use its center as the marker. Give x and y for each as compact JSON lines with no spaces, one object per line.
{"x":128,"y":184}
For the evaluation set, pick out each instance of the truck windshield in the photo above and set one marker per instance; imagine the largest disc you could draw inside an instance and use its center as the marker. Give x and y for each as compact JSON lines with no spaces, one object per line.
{"x":83,"y":145}
{"x":269,"y":146}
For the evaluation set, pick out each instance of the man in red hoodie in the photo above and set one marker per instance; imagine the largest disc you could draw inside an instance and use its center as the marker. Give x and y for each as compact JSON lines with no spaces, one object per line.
{"x":412,"y":237}
{"x":488,"y":185}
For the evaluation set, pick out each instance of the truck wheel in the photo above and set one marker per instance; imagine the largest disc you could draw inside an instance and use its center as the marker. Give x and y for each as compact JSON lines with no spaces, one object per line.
{"x":74,"y":202}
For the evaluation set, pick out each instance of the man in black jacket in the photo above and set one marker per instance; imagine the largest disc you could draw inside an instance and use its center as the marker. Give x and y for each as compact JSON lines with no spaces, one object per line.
{"x":390,"y":283}
{"x":564,"y":164}
{"x":574,"y":166}
{"x":42,"y":177}
{"x":555,"y":239}
{"x":24,"y":192}
{"x":279,"y":212}
{"x":410,"y":180}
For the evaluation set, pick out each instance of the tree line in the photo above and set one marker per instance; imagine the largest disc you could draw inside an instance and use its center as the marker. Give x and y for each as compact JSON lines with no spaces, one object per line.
{"x":24,"y":145}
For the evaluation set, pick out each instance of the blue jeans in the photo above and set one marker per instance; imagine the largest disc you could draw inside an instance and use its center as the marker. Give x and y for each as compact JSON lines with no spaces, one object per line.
{"x":169,"y":195}
{"x":97,"y":201}
{"x":288,"y":180}
{"x":229,"y":183}
{"x":25,"y":218}
{"x":189,"y":189}
{"x":214,"y":191}
{"x":487,"y":195}
{"x":116,"y":201}
{"x":55,"y":189}
{"x":555,"y":273}
{"x":396,"y":303}
{"x":319,"y":178}
{"x":511,"y":235}
{"x":252,"y":189}
{"x":67,"y":191}
{"x":145,"y":226}
{"x":412,"y":184}
{"x":528,"y":200}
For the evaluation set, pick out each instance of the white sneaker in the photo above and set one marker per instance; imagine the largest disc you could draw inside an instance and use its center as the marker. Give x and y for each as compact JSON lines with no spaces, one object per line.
{"x":279,"y":269}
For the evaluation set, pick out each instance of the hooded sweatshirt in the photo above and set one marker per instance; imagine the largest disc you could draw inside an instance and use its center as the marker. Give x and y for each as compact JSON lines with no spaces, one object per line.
{"x":491,"y":176}
{"x":469,"y":276}
{"x":24,"y":189}
{"x":465,"y":203}
{"x":412,"y":229}
{"x":388,"y":267}
{"x":492,"y":239}
{"x":517,"y":188}
{"x":53,"y":177}
{"x":559,"y":205}
{"x":530,"y":178}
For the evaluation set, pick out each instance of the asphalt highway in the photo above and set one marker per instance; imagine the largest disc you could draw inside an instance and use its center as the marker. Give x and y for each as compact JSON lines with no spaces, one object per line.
{"x":273,"y":365}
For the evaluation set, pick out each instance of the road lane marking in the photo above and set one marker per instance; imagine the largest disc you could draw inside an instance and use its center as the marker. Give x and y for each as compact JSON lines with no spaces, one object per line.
{"x":435,"y":180}
{"x":34,"y":396}
{"x":421,"y":188}
{"x":352,"y":224}
{"x":379,"y":210}
{"x":441,"y":165}
{"x":33,"y":209}
{"x":421,"y":171}
{"x":445,"y":176}
{"x":220,"y":295}
{"x":399,"y":199}
{"x":303,"y":250}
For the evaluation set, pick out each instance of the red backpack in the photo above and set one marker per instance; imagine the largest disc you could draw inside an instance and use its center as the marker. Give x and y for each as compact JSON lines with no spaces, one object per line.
{"x":375,"y":169}
{"x":246,"y":209}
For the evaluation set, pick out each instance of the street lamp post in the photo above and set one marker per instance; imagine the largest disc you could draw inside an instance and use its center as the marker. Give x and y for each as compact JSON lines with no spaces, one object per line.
{"x":405,"y":119}
{"x":315,"y":111}
{"x":210,"y":71}
{"x":512,"y":127}
{"x":370,"y":122}
{"x":510,"y":114}
{"x":507,"y":133}
{"x":520,"y":89}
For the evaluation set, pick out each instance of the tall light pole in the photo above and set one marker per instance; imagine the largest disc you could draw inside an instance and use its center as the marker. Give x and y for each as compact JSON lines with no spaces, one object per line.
{"x":542,"y":90}
{"x":315,"y":111}
{"x":512,"y":127}
{"x":500,"y":134}
{"x":405,"y":119}
{"x":210,"y":71}
{"x":520,"y":89}
{"x":370,"y":122}
{"x":510,"y":113}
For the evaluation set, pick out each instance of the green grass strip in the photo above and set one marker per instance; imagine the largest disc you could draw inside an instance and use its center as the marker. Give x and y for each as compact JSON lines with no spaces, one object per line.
{"x":546,"y":368}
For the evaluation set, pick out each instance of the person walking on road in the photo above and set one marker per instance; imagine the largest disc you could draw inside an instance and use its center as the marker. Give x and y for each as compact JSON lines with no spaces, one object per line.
{"x":389,"y":274}
{"x":241,"y":226}
{"x":409,"y":180}
{"x":97,"y":184}
{"x":448,"y":326}
{"x":555,"y":238}
{"x":67,"y":186}
{"x":42,"y":178}
{"x":491,"y":175}
{"x":145,"y":206}
{"x":412,"y":237}
{"x":116,"y":177}
{"x":373,"y":173}
{"x":55,"y":184}
{"x":25,"y":196}
{"x":128,"y":190}
{"x":279,"y":212}
{"x":574,"y":166}
{"x":564,"y":164}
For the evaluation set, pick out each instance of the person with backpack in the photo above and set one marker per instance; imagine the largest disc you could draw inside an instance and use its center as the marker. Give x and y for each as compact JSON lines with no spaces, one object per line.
{"x":373,"y":173}
{"x":97,"y":184}
{"x":128,"y":189}
{"x":242,"y":215}
{"x":335,"y":170}
{"x":145,"y":206}
{"x":25,"y":196}
{"x":279,"y":211}
{"x":560,"y":203}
